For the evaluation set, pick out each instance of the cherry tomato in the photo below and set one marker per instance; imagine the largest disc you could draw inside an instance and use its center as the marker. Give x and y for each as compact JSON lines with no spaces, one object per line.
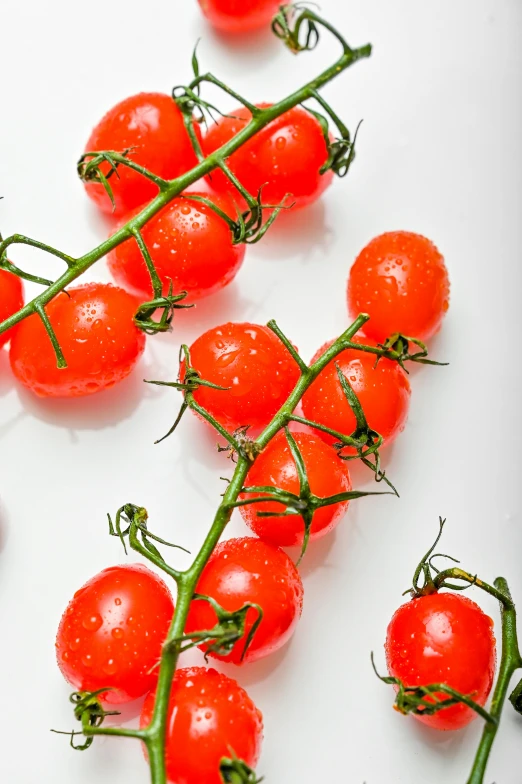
{"x":94,"y":327}
{"x":112,"y":631}
{"x":11,"y":299}
{"x":383,"y":391}
{"x":275,"y":467}
{"x":210,"y":717}
{"x":190,"y":245}
{"x":401,"y":281}
{"x":283,"y":158}
{"x":443,"y":638}
{"x":152,"y":124}
{"x":238,"y":16}
{"x":253,"y":364}
{"x":249,"y":570}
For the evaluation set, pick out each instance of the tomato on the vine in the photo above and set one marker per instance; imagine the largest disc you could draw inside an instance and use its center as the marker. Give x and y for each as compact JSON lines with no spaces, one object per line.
{"x":283,"y":158}
{"x":189,"y":244}
{"x":443,"y":638}
{"x":401,"y":281}
{"x":247,"y":570}
{"x":112,"y":631}
{"x":94,"y":327}
{"x":239,"y":16}
{"x":383,"y":391}
{"x":275,"y":467}
{"x":209,"y":717}
{"x":151,"y":127}
{"x":255,"y":367}
{"x":11,"y":299}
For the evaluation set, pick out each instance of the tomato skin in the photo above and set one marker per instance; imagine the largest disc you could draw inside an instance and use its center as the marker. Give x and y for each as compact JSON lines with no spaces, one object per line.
{"x":443,"y":638}
{"x":401,"y":281}
{"x":209,"y":714}
{"x":153,"y":125}
{"x":248,"y":570}
{"x":11,"y":299}
{"x":283,"y":158}
{"x":383,"y":391}
{"x":112,"y":632}
{"x":253,"y":364}
{"x":93,"y":324}
{"x":189,"y":244}
{"x":275,"y":467}
{"x":239,"y":16}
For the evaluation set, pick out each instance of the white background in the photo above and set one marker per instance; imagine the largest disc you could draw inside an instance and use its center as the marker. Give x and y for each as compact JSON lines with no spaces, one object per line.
{"x":440,"y":154}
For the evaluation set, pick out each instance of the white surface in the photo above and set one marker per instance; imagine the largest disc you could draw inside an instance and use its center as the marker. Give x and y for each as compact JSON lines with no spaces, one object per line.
{"x":439,"y":153}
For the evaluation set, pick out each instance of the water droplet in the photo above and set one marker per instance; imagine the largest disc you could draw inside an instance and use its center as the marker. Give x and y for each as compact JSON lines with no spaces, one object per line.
{"x":66,"y":655}
{"x":117,"y":601}
{"x":109,"y":667}
{"x":280,"y":143}
{"x":117,"y":633}
{"x":87,"y":660}
{"x":75,"y":644}
{"x":224,"y":360}
{"x":185,"y":209}
{"x":92,"y":622}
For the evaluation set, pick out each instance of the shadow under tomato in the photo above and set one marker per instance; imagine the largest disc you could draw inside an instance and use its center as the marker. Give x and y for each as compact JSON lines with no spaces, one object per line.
{"x":316,"y":553}
{"x":253,"y":672}
{"x":6,"y":377}
{"x":445,"y":744}
{"x":302,"y":234}
{"x":254,"y":47}
{"x":4,"y":527}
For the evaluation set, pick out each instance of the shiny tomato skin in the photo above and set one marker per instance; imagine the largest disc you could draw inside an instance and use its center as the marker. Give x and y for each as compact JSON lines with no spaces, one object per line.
{"x":239,"y":16}
{"x":153,"y":125}
{"x":189,"y":244}
{"x":443,"y":638}
{"x":383,"y":391}
{"x":275,"y":467}
{"x":253,"y":364}
{"x":112,"y":631}
{"x":283,"y":158}
{"x":401,"y":281}
{"x":93,"y":324}
{"x":11,"y":299}
{"x":210,"y":716}
{"x":249,"y":570}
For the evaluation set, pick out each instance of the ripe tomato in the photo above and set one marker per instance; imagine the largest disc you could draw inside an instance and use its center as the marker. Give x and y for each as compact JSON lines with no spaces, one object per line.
{"x":283,"y":158}
{"x":253,"y":364}
{"x":275,"y":467}
{"x":190,"y":245}
{"x":443,"y":638}
{"x":112,"y":632}
{"x":210,"y":716}
{"x":11,"y":299}
{"x":93,"y":324}
{"x":383,"y":391}
{"x":401,"y":281}
{"x":249,"y":570}
{"x":153,"y":125}
{"x":238,"y":16}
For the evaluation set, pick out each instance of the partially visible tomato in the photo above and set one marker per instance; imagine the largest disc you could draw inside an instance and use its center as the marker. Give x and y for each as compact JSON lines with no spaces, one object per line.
{"x":112,"y":631}
{"x":254,"y":366}
{"x":94,"y":327}
{"x":249,"y":570}
{"x":401,"y":281}
{"x":152,"y":125}
{"x":283,"y":158}
{"x":189,"y":244}
{"x":238,"y":16}
{"x":11,"y":299}
{"x":383,"y":391}
{"x":210,"y":717}
{"x":443,"y":638}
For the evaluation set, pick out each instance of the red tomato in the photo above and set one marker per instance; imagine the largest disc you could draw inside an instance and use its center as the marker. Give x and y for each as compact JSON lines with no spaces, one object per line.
{"x":383,"y":391}
{"x":238,"y":16}
{"x":249,"y":570}
{"x":189,"y":244}
{"x":253,"y":364}
{"x":112,"y":631}
{"x":443,"y":638}
{"x":11,"y":299}
{"x":210,"y":716}
{"x":153,"y":125}
{"x":401,"y":281}
{"x":283,"y":158}
{"x":93,"y":324}
{"x":275,"y":467}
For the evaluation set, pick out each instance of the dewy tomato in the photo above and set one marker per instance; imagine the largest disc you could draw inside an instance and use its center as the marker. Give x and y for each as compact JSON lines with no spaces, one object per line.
{"x":239,"y":16}
{"x":11,"y":299}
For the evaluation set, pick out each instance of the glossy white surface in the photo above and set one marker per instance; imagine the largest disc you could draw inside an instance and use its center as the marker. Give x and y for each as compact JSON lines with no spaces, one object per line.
{"x":440,"y":154}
